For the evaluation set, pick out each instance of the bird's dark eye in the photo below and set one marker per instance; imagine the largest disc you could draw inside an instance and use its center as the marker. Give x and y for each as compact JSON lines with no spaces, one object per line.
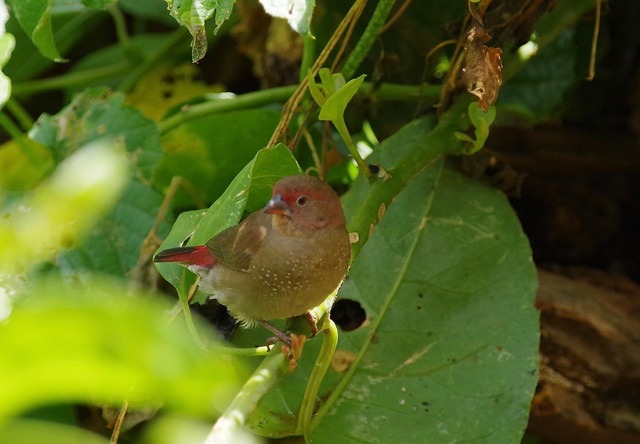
{"x":302,"y":201}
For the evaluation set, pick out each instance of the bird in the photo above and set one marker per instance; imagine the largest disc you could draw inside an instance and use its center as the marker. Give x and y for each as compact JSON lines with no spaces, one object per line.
{"x":279,"y":262}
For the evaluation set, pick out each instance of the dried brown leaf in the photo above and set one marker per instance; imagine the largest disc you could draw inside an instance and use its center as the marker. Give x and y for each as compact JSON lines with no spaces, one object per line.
{"x":482,"y":72}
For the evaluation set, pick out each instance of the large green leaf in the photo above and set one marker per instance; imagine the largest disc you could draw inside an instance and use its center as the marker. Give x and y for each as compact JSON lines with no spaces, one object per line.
{"x":97,"y":114}
{"x":210,"y":151}
{"x":449,"y":350}
{"x":113,"y":245}
{"x":35,"y":18}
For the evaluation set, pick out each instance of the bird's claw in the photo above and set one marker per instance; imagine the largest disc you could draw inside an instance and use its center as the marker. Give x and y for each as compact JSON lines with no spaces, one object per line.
{"x":294,"y":351}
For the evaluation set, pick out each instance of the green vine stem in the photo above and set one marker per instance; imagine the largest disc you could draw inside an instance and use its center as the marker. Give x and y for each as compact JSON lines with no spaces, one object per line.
{"x":21,"y":139}
{"x":131,"y":50}
{"x":19,"y":113}
{"x":329,"y":344}
{"x":243,"y":101}
{"x":439,"y":141}
{"x":308,"y":55}
{"x":371,"y":33}
{"x":73,"y":79}
{"x":230,"y":425}
{"x":10,"y":127}
{"x":264,"y":97}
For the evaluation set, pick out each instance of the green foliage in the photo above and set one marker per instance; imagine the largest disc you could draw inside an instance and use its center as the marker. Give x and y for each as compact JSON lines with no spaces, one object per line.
{"x":90,"y":186}
{"x":87,"y":332}
{"x":34,"y":17}
{"x":95,"y":115}
{"x":333,"y":100}
{"x":481,"y":122}
{"x":449,"y":285}
{"x":193,"y":14}
{"x":63,"y":208}
{"x":209,"y":152}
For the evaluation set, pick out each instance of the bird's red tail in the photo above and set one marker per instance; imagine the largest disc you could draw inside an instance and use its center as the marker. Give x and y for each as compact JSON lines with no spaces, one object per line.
{"x":199,"y":255}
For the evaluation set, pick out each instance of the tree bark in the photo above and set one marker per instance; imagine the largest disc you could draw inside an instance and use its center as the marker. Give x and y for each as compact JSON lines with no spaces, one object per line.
{"x":589,"y":388}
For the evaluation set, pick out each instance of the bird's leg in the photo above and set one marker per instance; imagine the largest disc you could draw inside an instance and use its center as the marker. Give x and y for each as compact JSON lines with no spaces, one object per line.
{"x":280,"y":335}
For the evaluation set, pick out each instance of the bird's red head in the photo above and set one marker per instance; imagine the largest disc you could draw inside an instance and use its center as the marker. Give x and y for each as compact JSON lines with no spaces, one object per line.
{"x":306,"y":201}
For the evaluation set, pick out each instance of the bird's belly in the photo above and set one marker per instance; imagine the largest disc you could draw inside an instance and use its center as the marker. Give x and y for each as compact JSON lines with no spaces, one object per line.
{"x":271,"y":293}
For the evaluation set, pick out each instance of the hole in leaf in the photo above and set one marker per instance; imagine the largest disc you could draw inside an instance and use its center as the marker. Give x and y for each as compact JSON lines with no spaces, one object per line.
{"x":348,"y":314}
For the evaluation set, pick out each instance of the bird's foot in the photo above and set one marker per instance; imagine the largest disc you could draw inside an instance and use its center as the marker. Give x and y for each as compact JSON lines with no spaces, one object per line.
{"x":292,"y":344}
{"x":279,"y":335}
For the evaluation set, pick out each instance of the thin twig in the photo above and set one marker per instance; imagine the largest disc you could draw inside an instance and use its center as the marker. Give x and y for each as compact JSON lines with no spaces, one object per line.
{"x":349,"y":33}
{"x":594,"y":42}
{"x":117,"y":427}
{"x":396,"y":16}
{"x":151,"y":242}
{"x":292,"y":104}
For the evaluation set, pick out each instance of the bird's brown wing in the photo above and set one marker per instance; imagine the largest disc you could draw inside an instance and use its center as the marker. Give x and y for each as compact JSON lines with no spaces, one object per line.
{"x":235,"y":246}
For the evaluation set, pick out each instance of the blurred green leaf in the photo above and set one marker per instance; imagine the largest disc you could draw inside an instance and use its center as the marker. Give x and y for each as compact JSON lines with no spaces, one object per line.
{"x":210,"y":151}
{"x":192,"y":14}
{"x":24,"y":163}
{"x":63,"y":208}
{"x":297,"y":12}
{"x":30,"y":430}
{"x":113,"y":245}
{"x":7,"y":43}
{"x":96,"y":114}
{"x":95,"y":344}
{"x":248,"y":192}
